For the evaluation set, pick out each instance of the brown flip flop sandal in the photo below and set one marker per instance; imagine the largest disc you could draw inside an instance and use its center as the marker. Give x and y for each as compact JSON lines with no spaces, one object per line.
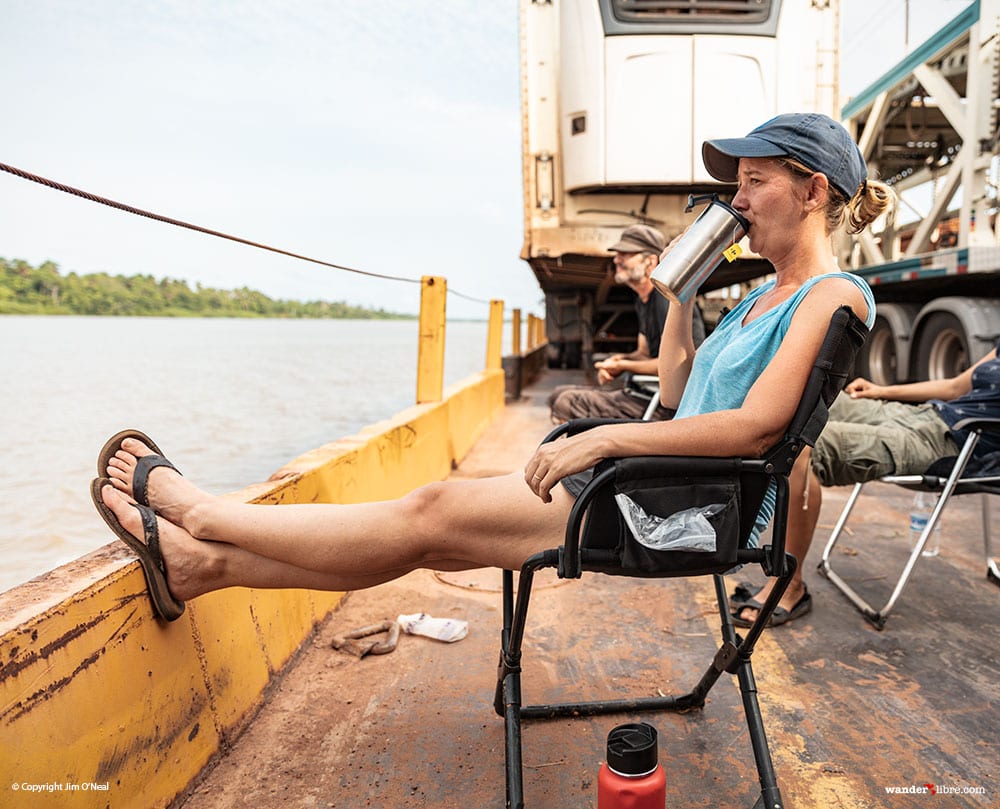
{"x":743,"y":592}
{"x":780,"y":615}
{"x":144,"y":465}
{"x":147,"y":549}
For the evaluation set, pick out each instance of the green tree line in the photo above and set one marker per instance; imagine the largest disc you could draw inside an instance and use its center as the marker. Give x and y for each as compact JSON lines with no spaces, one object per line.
{"x":43,"y":290}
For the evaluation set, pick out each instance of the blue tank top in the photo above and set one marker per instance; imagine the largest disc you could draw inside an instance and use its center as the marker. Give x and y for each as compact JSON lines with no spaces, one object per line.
{"x":732,"y":358}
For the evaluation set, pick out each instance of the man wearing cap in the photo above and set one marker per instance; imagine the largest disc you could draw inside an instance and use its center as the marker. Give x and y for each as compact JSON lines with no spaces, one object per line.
{"x":637,"y":253}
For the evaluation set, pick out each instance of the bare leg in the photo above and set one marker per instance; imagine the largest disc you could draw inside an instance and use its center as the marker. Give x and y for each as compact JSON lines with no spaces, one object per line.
{"x":195,"y":567}
{"x":495,"y":522}
{"x":804,"y":504}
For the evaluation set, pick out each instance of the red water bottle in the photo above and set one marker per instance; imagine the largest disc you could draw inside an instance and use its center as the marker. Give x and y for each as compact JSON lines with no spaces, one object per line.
{"x":631,"y":777}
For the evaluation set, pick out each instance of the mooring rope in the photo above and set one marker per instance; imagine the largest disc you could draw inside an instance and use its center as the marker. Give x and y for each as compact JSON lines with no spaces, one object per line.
{"x":121,"y":206}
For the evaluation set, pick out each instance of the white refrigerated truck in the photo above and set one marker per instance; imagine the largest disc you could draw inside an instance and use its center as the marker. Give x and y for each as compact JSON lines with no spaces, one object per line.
{"x":617,"y":96}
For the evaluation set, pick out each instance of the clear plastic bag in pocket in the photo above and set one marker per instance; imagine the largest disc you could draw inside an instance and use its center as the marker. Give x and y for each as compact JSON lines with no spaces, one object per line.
{"x":687,"y":530}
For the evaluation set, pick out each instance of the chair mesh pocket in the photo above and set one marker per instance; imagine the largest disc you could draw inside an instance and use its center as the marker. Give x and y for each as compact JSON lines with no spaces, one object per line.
{"x":712,"y":499}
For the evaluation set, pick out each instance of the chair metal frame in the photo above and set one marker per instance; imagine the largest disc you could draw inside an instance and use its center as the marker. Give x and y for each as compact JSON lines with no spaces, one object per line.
{"x":733,"y":656}
{"x":954,"y":484}
{"x":642,"y":386}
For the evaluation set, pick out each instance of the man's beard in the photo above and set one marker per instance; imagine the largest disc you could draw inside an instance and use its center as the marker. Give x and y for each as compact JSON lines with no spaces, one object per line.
{"x":632,"y":275}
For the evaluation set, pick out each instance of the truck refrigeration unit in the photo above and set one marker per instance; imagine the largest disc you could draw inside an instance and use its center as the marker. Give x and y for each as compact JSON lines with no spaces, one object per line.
{"x":617,"y":97}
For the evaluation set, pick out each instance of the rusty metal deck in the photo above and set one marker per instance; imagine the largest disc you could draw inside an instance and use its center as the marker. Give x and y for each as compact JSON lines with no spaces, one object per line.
{"x":850,"y":712}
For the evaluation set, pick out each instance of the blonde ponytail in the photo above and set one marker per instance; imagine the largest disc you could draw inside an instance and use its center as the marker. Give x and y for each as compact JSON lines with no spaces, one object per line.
{"x":872,"y":199}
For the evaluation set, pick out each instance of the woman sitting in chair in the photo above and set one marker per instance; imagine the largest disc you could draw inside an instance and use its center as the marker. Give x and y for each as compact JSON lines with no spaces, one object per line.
{"x":874,"y":431}
{"x":799,"y":177}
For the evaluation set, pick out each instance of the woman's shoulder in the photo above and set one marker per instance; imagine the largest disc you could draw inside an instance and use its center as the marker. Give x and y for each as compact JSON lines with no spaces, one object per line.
{"x":839,"y":288}
{"x":837,"y":276}
{"x":833,"y":290}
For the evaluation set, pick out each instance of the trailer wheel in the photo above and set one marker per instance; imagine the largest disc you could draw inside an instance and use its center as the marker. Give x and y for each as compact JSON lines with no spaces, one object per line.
{"x":877,"y":360}
{"x":943,"y":350}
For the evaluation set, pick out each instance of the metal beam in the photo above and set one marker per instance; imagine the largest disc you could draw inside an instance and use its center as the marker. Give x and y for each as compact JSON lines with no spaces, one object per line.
{"x":873,"y":126}
{"x":921,"y":239}
{"x":931,"y":48}
{"x":948,"y":101}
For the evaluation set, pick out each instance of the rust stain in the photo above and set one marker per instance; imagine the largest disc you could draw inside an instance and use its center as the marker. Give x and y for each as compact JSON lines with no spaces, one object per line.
{"x":15,"y":667}
{"x":206,"y":676}
{"x":18,"y":709}
{"x":408,"y":436}
{"x":118,"y":758}
{"x":115,"y":761}
{"x":261,"y":640}
{"x":185,"y":720}
{"x":22,"y":707}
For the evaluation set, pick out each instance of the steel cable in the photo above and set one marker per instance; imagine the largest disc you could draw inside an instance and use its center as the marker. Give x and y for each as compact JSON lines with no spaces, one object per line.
{"x":121,"y":206}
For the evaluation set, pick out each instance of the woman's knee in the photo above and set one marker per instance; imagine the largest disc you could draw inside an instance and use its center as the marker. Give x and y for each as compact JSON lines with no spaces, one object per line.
{"x":422,"y":508}
{"x":846,"y":454}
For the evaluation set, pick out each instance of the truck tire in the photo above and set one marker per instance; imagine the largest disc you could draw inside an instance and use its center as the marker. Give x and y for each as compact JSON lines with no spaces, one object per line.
{"x":943,"y":347}
{"x":877,"y":360}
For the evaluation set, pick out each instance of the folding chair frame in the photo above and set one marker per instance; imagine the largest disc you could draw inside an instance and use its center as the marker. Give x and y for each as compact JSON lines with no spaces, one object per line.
{"x":947,"y":487}
{"x":651,"y":385}
{"x":733,"y":656}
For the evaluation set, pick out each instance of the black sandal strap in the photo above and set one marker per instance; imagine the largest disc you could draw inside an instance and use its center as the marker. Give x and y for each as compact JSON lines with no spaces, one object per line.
{"x":140,"y":478}
{"x":151,"y":535}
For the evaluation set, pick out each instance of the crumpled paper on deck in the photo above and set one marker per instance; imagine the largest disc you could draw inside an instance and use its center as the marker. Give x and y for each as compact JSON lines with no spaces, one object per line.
{"x":448,"y":630}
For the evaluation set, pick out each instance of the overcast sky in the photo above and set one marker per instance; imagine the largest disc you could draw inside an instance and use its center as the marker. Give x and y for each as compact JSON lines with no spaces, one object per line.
{"x":383,"y":136}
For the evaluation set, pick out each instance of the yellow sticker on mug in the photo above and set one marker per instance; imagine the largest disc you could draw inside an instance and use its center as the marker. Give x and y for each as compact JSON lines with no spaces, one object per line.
{"x":733,"y":253}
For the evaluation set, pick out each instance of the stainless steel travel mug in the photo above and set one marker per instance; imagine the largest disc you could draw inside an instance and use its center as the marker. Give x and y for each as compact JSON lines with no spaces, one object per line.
{"x":699,"y":252}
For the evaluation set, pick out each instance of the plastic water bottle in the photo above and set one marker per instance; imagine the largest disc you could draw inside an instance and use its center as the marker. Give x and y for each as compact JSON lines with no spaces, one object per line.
{"x":632,"y":777}
{"x":920,"y":513}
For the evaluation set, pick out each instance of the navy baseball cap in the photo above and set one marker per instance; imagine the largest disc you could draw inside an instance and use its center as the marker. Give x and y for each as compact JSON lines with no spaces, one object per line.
{"x":813,"y":139}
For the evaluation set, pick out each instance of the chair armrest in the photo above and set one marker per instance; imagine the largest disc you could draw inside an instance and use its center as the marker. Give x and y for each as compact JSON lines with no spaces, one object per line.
{"x":982,"y":424}
{"x":581,"y":425}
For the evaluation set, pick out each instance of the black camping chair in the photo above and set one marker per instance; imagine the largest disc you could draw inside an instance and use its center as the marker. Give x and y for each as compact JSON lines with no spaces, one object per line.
{"x":948,"y":477}
{"x":598,"y":540}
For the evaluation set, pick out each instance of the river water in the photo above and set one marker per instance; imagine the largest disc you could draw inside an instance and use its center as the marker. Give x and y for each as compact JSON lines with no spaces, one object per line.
{"x":230,"y":400}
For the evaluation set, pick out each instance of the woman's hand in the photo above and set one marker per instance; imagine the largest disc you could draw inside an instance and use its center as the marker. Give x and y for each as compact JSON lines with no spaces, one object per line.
{"x":861,"y":388}
{"x":564,"y":456}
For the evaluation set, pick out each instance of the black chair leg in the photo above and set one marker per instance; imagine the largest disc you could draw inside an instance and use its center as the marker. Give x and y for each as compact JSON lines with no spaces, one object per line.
{"x":733,"y":657}
{"x":507,"y":699}
{"x":770,"y":796}
{"x":512,"y":751}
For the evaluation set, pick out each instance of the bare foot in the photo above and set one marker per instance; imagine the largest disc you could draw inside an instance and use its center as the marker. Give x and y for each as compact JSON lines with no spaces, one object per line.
{"x":170,"y":494}
{"x":189,"y":562}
